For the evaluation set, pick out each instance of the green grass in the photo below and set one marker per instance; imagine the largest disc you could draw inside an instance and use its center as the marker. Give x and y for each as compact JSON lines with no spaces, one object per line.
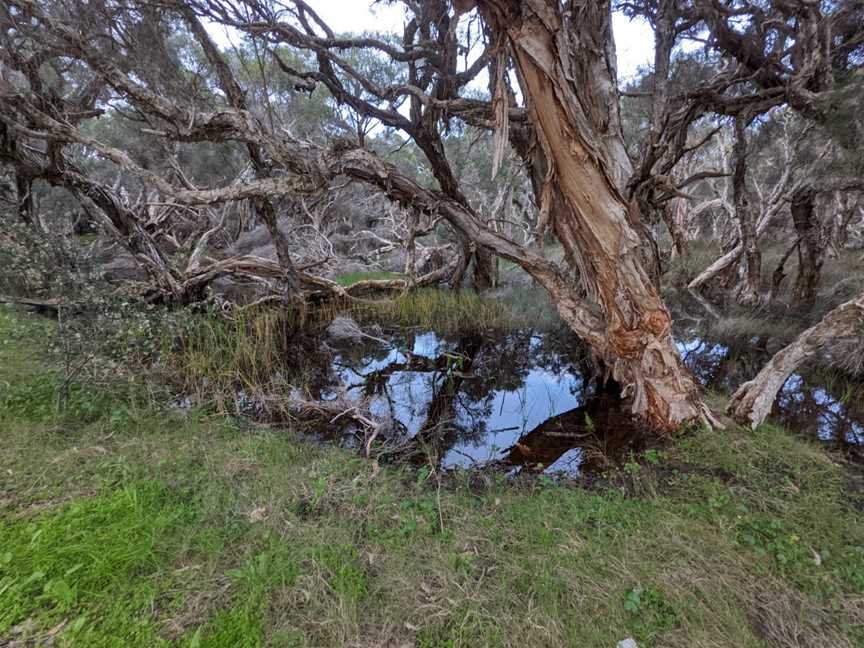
{"x":137,"y":526}
{"x":351,"y":278}
{"x":445,"y":311}
{"x":73,"y":560}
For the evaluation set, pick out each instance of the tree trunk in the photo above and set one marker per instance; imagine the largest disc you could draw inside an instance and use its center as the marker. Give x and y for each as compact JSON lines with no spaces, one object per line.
{"x":411,"y":249}
{"x":748,"y":292}
{"x":771,"y":209}
{"x":780,"y":272}
{"x":846,"y":208}
{"x":24,"y":187}
{"x":266,"y":212}
{"x":569,"y":81}
{"x":753,"y":400}
{"x":464,"y":253}
{"x":810,"y":249}
{"x":485,"y":269}
{"x":676,"y":222}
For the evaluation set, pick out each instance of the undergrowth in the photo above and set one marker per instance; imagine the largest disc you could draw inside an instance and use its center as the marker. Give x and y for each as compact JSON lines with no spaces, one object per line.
{"x":443,"y":311}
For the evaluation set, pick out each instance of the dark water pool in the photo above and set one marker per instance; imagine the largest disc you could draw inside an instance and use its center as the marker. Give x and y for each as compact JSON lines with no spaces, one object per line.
{"x":529,"y":401}
{"x":816,"y":404}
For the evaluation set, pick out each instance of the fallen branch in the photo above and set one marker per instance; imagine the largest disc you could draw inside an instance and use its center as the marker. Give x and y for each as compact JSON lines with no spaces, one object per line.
{"x":341,"y":409}
{"x":751,"y":403}
{"x":50,"y":305}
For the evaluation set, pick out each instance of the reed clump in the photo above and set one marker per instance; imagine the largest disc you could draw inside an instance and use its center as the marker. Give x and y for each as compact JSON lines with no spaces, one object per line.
{"x":444,"y":311}
{"x":260,"y":351}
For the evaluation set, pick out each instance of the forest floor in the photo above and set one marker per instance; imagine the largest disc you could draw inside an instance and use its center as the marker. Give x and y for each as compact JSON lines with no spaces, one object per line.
{"x":125,"y":523}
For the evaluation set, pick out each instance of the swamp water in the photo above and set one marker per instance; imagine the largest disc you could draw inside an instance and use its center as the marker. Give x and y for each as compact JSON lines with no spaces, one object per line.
{"x":528,"y":401}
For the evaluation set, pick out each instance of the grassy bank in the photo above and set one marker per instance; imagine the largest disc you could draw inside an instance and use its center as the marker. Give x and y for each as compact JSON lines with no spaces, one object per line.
{"x":125,"y":523}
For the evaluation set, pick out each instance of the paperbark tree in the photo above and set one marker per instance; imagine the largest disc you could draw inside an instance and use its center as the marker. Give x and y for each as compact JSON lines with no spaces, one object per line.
{"x":773,"y":200}
{"x":569,"y":84}
{"x":568,"y":134}
{"x":803,"y":54}
{"x":567,"y":66}
{"x":749,"y":289}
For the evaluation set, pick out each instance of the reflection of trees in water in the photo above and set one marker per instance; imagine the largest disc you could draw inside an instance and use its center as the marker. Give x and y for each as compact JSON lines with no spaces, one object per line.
{"x":832,"y":409}
{"x":449,"y":391}
{"x":721,"y":366}
{"x":503,"y":365}
{"x":459,"y":383}
{"x":810,"y":402}
{"x":601,"y":429}
{"x":504,"y":362}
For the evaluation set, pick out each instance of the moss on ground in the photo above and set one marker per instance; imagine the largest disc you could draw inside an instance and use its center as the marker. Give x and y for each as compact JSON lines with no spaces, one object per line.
{"x":138,"y":526}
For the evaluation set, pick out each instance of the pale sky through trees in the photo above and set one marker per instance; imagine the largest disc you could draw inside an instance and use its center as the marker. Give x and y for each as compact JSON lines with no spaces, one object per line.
{"x":634,"y":39}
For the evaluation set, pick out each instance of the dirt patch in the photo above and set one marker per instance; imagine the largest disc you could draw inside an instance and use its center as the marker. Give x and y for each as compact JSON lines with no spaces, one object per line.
{"x":199,"y":603}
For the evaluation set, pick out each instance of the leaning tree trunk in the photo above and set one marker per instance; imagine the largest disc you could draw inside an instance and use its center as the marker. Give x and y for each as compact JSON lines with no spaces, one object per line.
{"x":810,"y":249}
{"x":753,"y":400}
{"x":780,"y":272}
{"x":566,"y":66}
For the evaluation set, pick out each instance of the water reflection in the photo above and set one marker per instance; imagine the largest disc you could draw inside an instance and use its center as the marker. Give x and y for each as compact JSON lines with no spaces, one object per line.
{"x":523,"y":400}
{"x":837,"y":418}
{"x":810,"y":403}
{"x":528,"y":401}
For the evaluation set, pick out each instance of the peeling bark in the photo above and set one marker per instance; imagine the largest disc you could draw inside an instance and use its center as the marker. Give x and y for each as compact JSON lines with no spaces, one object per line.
{"x":24,"y":188}
{"x":847,"y":208}
{"x":676,"y":221}
{"x":751,"y":403}
{"x":569,"y":77}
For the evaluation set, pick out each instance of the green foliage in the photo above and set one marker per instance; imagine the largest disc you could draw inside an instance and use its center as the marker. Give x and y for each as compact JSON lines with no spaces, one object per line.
{"x":239,"y":627}
{"x":342,"y":571}
{"x":273,"y":567}
{"x":444,"y":311}
{"x":650,"y":613}
{"x":258,"y":351}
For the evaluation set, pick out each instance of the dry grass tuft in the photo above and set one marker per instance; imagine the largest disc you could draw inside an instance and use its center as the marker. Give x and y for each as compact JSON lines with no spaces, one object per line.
{"x":787,"y":619}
